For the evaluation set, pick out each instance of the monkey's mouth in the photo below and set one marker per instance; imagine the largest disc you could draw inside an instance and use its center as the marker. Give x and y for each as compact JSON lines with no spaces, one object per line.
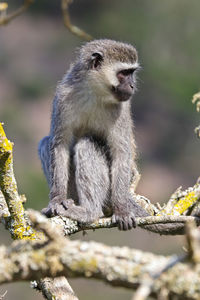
{"x":122,"y":93}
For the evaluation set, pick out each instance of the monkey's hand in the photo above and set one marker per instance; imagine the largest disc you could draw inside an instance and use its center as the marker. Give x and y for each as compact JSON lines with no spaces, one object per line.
{"x":124,"y":217}
{"x":57,"y":206}
{"x":125,"y":213}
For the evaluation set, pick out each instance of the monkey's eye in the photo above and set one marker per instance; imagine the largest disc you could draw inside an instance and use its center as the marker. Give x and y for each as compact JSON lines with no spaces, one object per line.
{"x":97,"y":58}
{"x":121,"y":75}
{"x":127,"y":72}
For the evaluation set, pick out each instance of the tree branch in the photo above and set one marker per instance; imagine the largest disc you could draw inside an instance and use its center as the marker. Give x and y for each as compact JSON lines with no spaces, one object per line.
{"x":8,"y":18}
{"x":67,"y":22}
{"x":166,"y":225}
{"x":57,"y":288}
{"x":123,"y":267}
{"x":16,"y":222}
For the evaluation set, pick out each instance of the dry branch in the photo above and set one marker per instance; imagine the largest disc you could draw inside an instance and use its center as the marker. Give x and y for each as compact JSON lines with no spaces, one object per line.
{"x":5,"y":19}
{"x":57,"y":288}
{"x":67,"y":22}
{"x":16,"y":222}
{"x":31,"y":260}
{"x":166,"y":225}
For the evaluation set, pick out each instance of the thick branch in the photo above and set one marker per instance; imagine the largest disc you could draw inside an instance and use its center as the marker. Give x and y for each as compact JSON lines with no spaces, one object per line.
{"x":17,"y":223}
{"x":117,"y":266}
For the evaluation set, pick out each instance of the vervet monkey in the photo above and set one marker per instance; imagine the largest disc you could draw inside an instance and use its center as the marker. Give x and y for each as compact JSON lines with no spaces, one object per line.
{"x":89,"y":155}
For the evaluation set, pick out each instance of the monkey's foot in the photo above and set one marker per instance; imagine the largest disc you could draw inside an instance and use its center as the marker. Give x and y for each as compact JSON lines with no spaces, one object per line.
{"x":124,"y":219}
{"x":57,"y":206}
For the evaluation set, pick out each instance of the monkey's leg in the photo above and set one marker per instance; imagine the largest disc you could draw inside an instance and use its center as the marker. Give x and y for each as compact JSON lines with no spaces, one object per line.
{"x":92,"y":182}
{"x":121,"y":173}
{"x":136,"y":208}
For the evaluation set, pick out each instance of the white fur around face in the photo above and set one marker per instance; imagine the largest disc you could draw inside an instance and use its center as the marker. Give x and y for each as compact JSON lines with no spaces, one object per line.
{"x":110,"y":71}
{"x":102,"y":80}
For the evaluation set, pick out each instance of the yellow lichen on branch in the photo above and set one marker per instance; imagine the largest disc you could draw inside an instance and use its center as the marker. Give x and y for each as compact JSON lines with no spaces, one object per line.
{"x":8,"y":186}
{"x":187,"y":202}
{"x":182,"y":201}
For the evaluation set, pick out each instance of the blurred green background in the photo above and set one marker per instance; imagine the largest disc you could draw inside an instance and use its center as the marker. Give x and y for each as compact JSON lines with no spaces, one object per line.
{"x":35,"y":51}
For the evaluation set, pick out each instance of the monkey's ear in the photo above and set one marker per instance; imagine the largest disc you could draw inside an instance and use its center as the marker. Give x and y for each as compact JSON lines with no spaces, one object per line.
{"x":96,"y":59}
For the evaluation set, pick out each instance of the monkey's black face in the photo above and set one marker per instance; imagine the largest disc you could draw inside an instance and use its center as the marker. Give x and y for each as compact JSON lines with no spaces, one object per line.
{"x":125,"y":89}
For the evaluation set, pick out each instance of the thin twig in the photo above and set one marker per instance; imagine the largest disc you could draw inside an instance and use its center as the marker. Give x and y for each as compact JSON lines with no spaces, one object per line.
{"x":8,"y":18}
{"x":67,"y":22}
{"x":2,"y":296}
{"x":57,"y":288}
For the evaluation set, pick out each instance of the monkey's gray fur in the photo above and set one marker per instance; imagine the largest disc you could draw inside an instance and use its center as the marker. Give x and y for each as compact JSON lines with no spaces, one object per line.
{"x":89,"y":155}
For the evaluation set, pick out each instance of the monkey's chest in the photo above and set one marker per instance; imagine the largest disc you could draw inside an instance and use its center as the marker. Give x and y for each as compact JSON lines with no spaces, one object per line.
{"x":89,"y":122}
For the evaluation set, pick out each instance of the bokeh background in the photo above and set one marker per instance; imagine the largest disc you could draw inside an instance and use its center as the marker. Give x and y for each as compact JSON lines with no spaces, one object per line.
{"x":35,"y":51}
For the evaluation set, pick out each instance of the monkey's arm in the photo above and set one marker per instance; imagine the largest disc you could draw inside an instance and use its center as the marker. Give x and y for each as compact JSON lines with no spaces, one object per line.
{"x":125,"y":208}
{"x":58,"y":150}
{"x":58,"y":176}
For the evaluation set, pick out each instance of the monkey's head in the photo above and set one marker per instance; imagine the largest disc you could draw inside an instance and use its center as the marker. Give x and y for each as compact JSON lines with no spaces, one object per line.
{"x":111,"y":68}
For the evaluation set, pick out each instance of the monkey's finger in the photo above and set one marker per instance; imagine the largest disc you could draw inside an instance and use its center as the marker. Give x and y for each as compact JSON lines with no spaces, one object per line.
{"x":46,"y":211}
{"x":59,"y":210}
{"x":67,"y":203}
{"x":125,"y":223}
{"x":126,"y":226}
{"x":130,"y":224}
{"x":133,"y":222}
{"x":120,"y":224}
